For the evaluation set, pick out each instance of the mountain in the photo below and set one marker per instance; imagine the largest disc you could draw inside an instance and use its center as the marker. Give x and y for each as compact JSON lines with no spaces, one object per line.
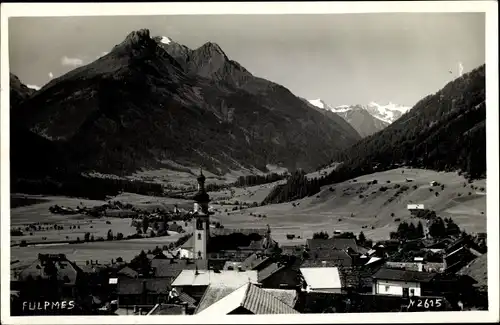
{"x":445,"y":131}
{"x":151,"y":101}
{"x":358,"y":116}
{"x":19,"y":92}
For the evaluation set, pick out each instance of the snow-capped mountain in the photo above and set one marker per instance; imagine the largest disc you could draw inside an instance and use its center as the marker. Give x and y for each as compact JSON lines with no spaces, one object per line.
{"x":366,"y":119}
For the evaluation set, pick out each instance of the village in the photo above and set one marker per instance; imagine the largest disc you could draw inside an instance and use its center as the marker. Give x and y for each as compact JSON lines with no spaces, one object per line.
{"x":428,"y":266}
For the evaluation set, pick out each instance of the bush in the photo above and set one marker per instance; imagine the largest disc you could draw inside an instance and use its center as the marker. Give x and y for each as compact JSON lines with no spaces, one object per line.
{"x":388,"y":181}
{"x":430,"y":189}
{"x":383,"y":189}
{"x":397,"y":186}
{"x":374,"y":181}
{"x":392,"y":214}
{"x":361,"y":196}
{"x":414,"y":187}
{"x":437,"y":193}
{"x":23,"y":243}
{"x":397,"y":219}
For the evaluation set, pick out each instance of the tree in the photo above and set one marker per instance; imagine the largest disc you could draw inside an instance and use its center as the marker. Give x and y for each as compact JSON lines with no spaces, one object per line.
{"x":437,"y":228}
{"x":92,"y":238}
{"x":110,"y":235}
{"x":145,"y":224}
{"x":361,"y":238}
{"x":119,"y":260}
{"x":86,"y":237}
{"x":119,"y":236}
{"x":452,"y":228}
{"x":420,"y":229}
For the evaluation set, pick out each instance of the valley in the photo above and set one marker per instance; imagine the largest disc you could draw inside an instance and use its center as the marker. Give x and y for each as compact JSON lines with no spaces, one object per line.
{"x":352,"y":206}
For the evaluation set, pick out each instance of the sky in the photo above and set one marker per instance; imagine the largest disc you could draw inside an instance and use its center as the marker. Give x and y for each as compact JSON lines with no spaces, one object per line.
{"x":344,"y":59}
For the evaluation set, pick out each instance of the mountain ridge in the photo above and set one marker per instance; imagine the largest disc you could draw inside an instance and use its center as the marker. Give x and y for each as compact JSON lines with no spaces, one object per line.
{"x":138,"y":105}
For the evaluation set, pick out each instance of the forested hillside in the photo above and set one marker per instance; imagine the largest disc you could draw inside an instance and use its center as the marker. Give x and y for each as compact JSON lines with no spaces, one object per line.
{"x":445,"y":131}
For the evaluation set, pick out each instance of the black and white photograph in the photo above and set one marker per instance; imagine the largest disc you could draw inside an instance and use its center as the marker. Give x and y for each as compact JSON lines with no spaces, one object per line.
{"x":162,"y":162}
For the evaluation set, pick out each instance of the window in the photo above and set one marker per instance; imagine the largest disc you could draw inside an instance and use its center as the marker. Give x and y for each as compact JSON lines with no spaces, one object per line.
{"x":199,"y":253}
{"x":199,"y":236}
{"x":387,"y":288}
{"x":412,"y":292}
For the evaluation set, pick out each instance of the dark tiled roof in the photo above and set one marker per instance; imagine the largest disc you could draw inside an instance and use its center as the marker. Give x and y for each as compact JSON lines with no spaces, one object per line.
{"x":164,"y":268}
{"x":213,"y":294}
{"x":253,"y":261}
{"x":184,"y":297}
{"x":289,"y":297}
{"x":268,"y":271}
{"x":260,"y":302}
{"x":67,"y":271}
{"x":339,"y":257}
{"x":129,"y":272}
{"x":167,"y":309}
{"x":332,"y":243}
{"x":403,"y":275}
{"x":136,"y":286}
{"x":356,"y":276}
{"x":189,"y":243}
{"x":477,"y":270}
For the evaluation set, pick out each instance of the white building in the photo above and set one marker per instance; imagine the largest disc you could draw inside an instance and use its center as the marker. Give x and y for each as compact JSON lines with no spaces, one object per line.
{"x":400,"y":282}
{"x":322,"y":279}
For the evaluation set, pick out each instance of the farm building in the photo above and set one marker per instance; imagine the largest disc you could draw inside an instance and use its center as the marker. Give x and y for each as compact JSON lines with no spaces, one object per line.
{"x":400,"y":282}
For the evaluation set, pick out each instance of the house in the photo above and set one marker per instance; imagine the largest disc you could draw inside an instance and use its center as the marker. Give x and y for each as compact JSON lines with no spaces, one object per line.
{"x":142,"y":293}
{"x":415,"y":208}
{"x":51,"y":276}
{"x":416,"y":266}
{"x":256,"y":261}
{"x":315,"y":244}
{"x":216,"y":292}
{"x":248,"y":300}
{"x":195,"y":282}
{"x":400,"y":282}
{"x":321,"y":279}
{"x":336,"y":257}
{"x":171,"y":268}
{"x":127,"y":272}
{"x":458,"y":258}
{"x":279,"y":276}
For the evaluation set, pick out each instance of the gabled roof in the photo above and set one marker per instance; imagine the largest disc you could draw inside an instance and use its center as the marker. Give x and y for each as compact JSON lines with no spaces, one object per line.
{"x":167,"y":309}
{"x":340,"y":257}
{"x":269,"y":270}
{"x":251,"y":298}
{"x":289,"y":297}
{"x":205,"y":278}
{"x":67,"y":271}
{"x":214,"y":293}
{"x":477,"y":270}
{"x":136,"y":286}
{"x":184,"y":297}
{"x":253,"y":261}
{"x":170,"y":268}
{"x":403,"y":275}
{"x":318,"y":278}
{"x":332,"y":243}
{"x":129,"y":272}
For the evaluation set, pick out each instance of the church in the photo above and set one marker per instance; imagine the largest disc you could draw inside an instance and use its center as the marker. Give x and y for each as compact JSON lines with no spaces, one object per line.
{"x":208,"y":242}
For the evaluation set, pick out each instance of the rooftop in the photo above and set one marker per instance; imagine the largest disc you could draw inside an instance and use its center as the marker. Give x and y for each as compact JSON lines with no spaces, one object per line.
{"x":171,"y":268}
{"x":321,"y":277}
{"x":167,"y":309}
{"x":66,"y":270}
{"x":269,"y":270}
{"x":478,"y":270}
{"x":332,"y":243}
{"x":136,"y":286}
{"x":251,"y":298}
{"x":205,"y":278}
{"x":404,"y":275}
{"x":253,"y":261}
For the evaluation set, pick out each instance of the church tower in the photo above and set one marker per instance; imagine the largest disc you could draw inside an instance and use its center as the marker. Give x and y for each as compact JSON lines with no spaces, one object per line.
{"x":201,"y":220}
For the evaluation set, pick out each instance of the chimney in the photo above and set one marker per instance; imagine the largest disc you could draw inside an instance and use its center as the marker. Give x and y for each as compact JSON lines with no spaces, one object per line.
{"x":184,"y":307}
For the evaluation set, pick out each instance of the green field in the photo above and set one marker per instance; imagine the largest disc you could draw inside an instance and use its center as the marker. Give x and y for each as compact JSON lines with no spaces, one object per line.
{"x":327,"y":211}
